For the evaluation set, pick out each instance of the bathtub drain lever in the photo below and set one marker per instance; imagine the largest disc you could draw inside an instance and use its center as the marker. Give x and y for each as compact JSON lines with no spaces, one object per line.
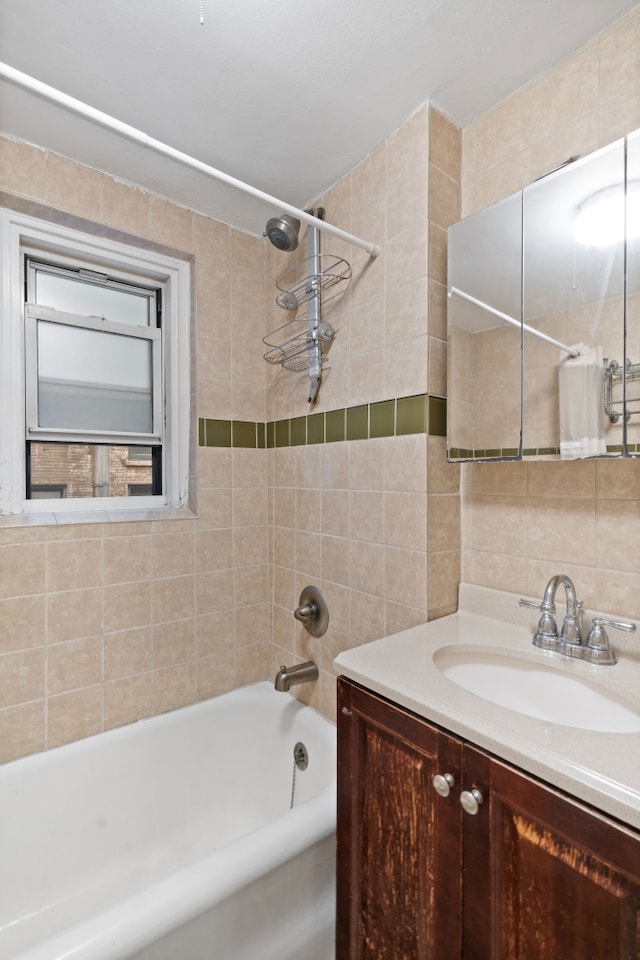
{"x":300,"y":762}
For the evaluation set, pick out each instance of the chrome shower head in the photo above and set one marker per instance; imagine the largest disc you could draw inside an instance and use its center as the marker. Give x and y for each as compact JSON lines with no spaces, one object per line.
{"x":283,"y":232}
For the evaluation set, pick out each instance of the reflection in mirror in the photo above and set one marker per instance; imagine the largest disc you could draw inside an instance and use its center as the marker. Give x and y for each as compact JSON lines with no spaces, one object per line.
{"x":632,"y":357}
{"x":573,"y":290}
{"x":544,"y":317}
{"x":484,"y":310}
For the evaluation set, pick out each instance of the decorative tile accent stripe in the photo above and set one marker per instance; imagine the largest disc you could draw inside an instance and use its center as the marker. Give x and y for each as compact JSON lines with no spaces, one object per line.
{"x":459,"y":453}
{"x":384,"y":418}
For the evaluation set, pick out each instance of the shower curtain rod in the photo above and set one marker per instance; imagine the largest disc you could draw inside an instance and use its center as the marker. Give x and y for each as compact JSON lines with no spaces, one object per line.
{"x":138,"y":136}
{"x":454,"y":291}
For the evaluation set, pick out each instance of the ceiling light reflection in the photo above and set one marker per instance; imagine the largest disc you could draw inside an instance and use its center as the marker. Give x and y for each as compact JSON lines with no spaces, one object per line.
{"x":600,"y":219}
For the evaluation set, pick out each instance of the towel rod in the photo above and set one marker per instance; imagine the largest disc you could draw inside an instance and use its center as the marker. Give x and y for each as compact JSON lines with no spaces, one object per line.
{"x":454,"y":291}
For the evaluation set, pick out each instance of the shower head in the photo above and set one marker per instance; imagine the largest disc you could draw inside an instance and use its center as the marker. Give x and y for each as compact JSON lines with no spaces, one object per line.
{"x":283,"y":232}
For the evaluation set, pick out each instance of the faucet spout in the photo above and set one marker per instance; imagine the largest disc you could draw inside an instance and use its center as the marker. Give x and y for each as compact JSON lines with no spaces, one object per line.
{"x":291,"y":676}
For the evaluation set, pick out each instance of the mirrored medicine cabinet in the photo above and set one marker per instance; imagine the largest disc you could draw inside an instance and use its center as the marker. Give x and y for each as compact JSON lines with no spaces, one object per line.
{"x":544,"y":317}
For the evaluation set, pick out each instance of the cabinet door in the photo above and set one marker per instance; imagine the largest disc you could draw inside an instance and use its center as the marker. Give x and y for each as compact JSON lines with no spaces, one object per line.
{"x":545,"y":878}
{"x":398,"y":880}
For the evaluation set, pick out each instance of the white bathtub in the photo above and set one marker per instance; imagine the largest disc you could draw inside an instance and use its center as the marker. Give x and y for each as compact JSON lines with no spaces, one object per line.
{"x":173,"y":839}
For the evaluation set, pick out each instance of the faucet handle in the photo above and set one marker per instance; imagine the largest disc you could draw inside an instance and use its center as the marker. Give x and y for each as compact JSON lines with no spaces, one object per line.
{"x":523,"y":602}
{"x":546,"y":636}
{"x":598,"y":647}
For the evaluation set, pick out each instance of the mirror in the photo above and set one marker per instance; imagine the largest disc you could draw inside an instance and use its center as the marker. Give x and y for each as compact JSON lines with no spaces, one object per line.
{"x":632,"y":355}
{"x":483,"y":360}
{"x":536,"y":318}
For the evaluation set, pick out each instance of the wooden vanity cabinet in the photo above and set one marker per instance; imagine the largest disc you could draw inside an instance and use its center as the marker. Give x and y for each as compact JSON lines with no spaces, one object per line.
{"x":533,"y":875}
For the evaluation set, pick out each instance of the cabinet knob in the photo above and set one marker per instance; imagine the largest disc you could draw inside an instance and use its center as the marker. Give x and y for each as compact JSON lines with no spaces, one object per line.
{"x":442,"y":783}
{"x":470,"y":801}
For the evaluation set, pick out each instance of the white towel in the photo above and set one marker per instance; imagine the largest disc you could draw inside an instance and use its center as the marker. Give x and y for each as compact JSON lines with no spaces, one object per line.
{"x":581,"y":402}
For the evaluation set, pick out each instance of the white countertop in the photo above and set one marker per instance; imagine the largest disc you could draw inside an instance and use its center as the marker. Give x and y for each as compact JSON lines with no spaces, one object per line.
{"x":603,"y":769}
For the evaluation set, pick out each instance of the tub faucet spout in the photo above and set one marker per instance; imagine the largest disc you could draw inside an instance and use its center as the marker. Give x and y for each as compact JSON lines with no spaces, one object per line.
{"x":290,"y":676}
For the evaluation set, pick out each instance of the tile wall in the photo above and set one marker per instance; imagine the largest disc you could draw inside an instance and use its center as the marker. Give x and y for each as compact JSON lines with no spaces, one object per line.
{"x":522,"y":522}
{"x":374,"y":520}
{"x":105,"y":623}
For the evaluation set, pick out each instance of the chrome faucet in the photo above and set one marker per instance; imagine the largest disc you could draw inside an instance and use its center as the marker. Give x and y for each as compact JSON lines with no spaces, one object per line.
{"x":570,"y":640}
{"x":290,"y":676}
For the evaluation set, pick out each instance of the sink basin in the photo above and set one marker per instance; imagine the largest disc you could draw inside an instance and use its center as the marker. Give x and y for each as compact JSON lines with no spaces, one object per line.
{"x":537,"y":689}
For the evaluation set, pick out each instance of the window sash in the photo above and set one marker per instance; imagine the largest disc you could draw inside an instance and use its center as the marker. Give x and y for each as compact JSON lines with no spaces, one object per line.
{"x":35,"y":313}
{"x":23,"y":235}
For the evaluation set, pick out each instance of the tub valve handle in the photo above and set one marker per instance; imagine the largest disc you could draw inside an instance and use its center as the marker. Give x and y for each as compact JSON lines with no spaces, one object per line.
{"x":308,"y":612}
{"x":312,"y":611}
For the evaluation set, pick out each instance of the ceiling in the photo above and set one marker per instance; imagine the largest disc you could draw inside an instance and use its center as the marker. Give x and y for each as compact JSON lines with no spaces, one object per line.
{"x":286,"y":95}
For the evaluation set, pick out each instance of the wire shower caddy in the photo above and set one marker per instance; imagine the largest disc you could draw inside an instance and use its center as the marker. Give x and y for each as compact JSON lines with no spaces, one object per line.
{"x":290,"y":343}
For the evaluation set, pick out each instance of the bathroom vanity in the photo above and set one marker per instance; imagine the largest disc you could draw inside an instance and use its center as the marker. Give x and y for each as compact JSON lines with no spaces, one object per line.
{"x":468,"y":829}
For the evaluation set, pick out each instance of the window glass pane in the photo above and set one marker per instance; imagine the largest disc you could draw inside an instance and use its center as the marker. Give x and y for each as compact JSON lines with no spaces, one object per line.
{"x":92,"y":299}
{"x":90,"y":380}
{"x":86,"y":470}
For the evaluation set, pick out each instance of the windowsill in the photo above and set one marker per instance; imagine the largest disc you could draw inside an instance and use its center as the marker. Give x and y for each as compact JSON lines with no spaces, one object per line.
{"x":51,"y":518}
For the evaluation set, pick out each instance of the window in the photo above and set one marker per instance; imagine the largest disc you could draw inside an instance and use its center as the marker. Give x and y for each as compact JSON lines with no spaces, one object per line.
{"x":95,"y":391}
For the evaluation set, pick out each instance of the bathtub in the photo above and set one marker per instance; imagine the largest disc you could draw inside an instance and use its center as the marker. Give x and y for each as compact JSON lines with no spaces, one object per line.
{"x":175,"y":837}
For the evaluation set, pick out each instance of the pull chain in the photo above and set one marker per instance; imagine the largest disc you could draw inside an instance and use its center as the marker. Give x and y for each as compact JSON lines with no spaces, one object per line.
{"x":201,"y":13}
{"x":293,"y":783}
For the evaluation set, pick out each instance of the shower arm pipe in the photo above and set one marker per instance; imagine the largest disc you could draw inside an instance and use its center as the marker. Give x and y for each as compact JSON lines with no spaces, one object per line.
{"x":157,"y":146}
{"x":454,"y":291}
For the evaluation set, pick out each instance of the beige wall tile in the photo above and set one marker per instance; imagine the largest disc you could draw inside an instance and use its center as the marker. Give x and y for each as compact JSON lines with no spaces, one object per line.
{"x":407,"y":158}
{"x":367,"y":516}
{"x":212,"y":246}
{"x":174,"y":642}
{"x":405,"y":463}
{"x":72,"y":716}
{"x":128,"y":699}
{"x":173,"y":599}
{"x":619,"y":62}
{"x":406,"y":577}
{"x":126,"y":606}
{"x":366,"y":568}
{"x":407,"y":367}
{"x":445,"y":144}
{"x":22,"y":676}
{"x":616,"y":542}
{"x":172,"y":555}
{"x":22,"y":623}
{"x":22,"y":570}
{"x":125,"y":207}
{"x":215,"y":675}
{"x":127,"y":559}
{"x":444,"y":198}
{"x":22,"y":730}
{"x":444,"y":522}
{"x":174,"y":687}
{"x":170,"y":223}
{"x":405,"y":520}
{"x":23,"y":168}
{"x":252,"y":663}
{"x":74,"y":188}
{"x":502,"y":132}
{"x":72,"y":614}
{"x":567,"y":93}
{"x":126,"y":653}
{"x":74,"y":563}
{"x":74,"y":664}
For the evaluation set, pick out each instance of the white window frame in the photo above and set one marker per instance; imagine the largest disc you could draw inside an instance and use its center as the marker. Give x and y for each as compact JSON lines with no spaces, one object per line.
{"x":22,"y":235}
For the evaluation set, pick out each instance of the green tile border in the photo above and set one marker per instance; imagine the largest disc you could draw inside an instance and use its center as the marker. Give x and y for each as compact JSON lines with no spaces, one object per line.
{"x":383,"y":418}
